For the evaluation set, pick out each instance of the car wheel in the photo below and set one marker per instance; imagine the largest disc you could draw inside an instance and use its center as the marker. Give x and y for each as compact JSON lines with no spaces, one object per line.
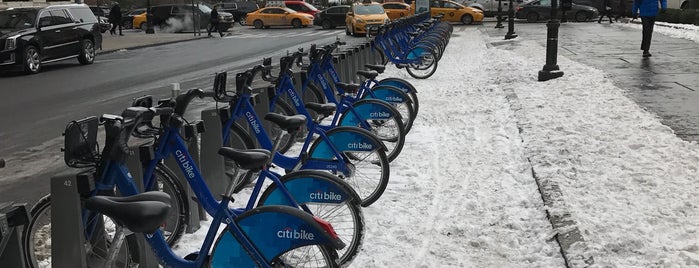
{"x":242,"y":21}
{"x":582,"y":16}
{"x":327,"y":24}
{"x":32,"y":60}
{"x":128,"y":25}
{"x":143,"y":26}
{"x":296,"y":23}
{"x":532,"y":17}
{"x":258,"y":24}
{"x":87,"y":52}
{"x":467,"y":19}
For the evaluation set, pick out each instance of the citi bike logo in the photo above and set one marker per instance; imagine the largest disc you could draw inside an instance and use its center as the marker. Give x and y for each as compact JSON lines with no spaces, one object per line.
{"x":188,"y":168}
{"x":294,"y":234}
{"x":323,"y":83}
{"x":333,"y":74}
{"x":294,"y":97}
{"x":253,"y":123}
{"x":319,"y":195}
{"x":359,"y":145}
{"x":379,"y":115}
{"x":394,"y":99}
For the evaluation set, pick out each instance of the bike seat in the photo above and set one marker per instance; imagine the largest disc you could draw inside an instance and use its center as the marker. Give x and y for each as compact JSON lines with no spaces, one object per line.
{"x":291,"y":123}
{"x":249,"y":159}
{"x":141,"y":213}
{"x":325,"y":109}
{"x":347,"y":87}
{"x":371,"y":75}
{"x":414,"y":34}
{"x":378,"y":68}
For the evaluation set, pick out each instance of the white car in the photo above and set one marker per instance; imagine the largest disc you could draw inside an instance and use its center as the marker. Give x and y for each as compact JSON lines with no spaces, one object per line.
{"x":490,"y":7}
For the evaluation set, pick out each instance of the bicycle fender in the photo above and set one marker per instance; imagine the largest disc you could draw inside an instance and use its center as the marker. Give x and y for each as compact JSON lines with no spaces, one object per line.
{"x":273,"y":230}
{"x":388,"y":94}
{"x":368,"y":109}
{"x":397,"y":82}
{"x":309,"y":186}
{"x":345,"y":139}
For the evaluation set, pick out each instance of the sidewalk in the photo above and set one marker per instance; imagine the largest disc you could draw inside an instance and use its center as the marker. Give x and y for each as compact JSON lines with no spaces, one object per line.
{"x":133,"y":39}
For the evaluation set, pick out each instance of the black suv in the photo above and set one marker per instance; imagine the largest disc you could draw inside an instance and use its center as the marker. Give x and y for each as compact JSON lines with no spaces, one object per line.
{"x":239,"y":10}
{"x":180,"y":17}
{"x":32,"y":36}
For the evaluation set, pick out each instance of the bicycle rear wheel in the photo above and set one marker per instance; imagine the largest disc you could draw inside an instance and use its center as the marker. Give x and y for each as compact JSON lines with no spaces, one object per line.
{"x":425,"y":65}
{"x":384,"y":121}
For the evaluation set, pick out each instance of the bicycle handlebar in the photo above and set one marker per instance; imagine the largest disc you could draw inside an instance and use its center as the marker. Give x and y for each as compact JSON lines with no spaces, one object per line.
{"x":132,"y":117}
{"x":183,"y":100}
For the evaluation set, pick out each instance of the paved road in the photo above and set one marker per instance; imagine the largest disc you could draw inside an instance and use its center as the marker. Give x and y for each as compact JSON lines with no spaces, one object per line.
{"x":666,"y":84}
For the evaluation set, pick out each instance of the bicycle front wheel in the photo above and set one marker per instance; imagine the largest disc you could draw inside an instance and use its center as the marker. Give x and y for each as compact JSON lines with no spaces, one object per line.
{"x":425,"y":62}
{"x":382,"y":119}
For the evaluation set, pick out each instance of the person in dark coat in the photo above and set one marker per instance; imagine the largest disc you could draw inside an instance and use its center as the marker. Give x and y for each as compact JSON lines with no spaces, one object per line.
{"x":605,"y":10}
{"x":115,"y":18}
{"x":648,"y":10}
{"x":214,"y":21}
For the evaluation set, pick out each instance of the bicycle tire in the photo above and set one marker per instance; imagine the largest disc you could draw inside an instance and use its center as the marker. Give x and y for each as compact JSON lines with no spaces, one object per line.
{"x":282,"y":107}
{"x":239,"y":139}
{"x":367,"y":183}
{"x":425,"y":53}
{"x":406,"y":87}
{"x":390,"y":131}
{"x":42,"y":207}
{"x":40,"y":213}
{"x":348,"y":223}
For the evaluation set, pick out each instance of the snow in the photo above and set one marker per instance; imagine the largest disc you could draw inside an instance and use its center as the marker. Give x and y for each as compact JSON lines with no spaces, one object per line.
{"x":684,"y":31}
{"x":463,"y":194}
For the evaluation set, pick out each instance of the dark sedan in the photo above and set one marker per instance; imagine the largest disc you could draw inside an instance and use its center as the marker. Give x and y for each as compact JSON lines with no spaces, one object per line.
{"x":541,"y":10}
{"x":331,"y":17}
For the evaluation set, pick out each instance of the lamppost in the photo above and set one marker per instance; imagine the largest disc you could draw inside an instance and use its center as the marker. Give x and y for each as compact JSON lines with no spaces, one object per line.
{"x":510,"y":22}
{"x":499,"y":25}
{"x":149,"y":19}
{"x":551,"y":70}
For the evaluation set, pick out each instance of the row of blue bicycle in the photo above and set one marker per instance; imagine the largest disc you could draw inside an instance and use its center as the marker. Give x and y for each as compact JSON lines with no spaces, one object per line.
{"x":308,"y":217}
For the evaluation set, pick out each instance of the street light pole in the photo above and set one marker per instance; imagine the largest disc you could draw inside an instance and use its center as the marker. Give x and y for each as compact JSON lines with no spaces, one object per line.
{"x":551,"y":70}
{"x":499,"y":25}
{"x":149,"y":19}
{"x":510,"y":22}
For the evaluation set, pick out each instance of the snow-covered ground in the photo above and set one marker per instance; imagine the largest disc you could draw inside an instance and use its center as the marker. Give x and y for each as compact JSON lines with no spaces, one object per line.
{"x":462,"y":193}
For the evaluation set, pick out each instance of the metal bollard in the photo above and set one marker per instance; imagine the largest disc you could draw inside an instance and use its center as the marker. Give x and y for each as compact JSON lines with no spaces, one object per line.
{"x":342,"y":67}
{"x":361,"y":56}
{"x":367,"y":53}
{"x":13,"y":217}
{"x":357,"y":67}
{"x":350,"y":66}
{"x":68,"y":232}
{"x":212,"y":164}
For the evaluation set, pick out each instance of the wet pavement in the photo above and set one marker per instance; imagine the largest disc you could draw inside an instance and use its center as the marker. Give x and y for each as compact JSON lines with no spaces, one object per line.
{"x":133,"y":39}
{"x":666,"y":84}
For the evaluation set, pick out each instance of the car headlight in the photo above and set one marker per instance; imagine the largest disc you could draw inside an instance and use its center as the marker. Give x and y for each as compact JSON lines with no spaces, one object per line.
{"x":11,"y":42}
{"x":360,"y":20}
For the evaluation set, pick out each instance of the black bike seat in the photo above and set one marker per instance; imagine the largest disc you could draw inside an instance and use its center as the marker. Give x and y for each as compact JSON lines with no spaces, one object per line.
{"x":290,"y":123}
{"x":141,"y":213}
{"x":347,"y":87}
{"x":325,"y":109}
{"x":371,"y":75}
{"x":378,"y":68}
{"x":249,"y":159}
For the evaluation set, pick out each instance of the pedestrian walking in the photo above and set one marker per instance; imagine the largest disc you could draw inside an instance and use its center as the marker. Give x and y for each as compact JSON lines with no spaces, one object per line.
{"x":621,"y":10}
{"x":647,"y":10}
{"x":115,"y":18}
{"x":213,"y":22}
{"x":606,"y":10}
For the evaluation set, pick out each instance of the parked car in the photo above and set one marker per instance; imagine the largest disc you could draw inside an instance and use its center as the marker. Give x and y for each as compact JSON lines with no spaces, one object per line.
{"x":364,"y":15}
{"x":140,"y":21}
{"x":396,"y":10}
{"x":33,"y":36}
{"x":278,"y":16}
{"x":541,"y":10}
{"x":490,"y":7}
{"x":102,"y":14}
{"x":454,"y":12}
{"x":127,"y":17}
{"x":331,"y":17}
{"x":301,"y":6}
{"x":180,"y":17}
{"x":239,"y":10}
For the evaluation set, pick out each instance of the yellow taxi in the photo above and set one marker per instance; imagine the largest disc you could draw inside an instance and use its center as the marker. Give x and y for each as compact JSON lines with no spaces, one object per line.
{"x":278,"y":16}
{"x":454,"y":12}
{"x":363,"y":15}
{"x":140,"y":21}
{"x":395,"y":10}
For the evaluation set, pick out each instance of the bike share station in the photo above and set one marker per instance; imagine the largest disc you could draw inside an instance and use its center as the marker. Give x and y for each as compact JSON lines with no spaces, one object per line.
{"x":204,"y":139}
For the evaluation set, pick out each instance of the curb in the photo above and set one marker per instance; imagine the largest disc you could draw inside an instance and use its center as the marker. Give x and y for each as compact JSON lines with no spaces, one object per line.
{"x":102,"y":52}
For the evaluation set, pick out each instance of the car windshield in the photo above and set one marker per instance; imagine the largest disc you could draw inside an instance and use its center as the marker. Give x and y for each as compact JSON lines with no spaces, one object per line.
{"x":289,"y":10}
{"x":204,"y":8}
{"x":368,"y":9}
{"x":15,"y":20}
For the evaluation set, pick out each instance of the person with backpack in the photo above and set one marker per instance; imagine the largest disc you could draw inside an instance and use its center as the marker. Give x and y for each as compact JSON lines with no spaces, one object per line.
{"x":647,"y":10}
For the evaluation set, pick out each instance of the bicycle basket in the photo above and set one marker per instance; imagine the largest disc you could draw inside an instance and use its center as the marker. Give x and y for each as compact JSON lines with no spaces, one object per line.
{"x":80,"y":143}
